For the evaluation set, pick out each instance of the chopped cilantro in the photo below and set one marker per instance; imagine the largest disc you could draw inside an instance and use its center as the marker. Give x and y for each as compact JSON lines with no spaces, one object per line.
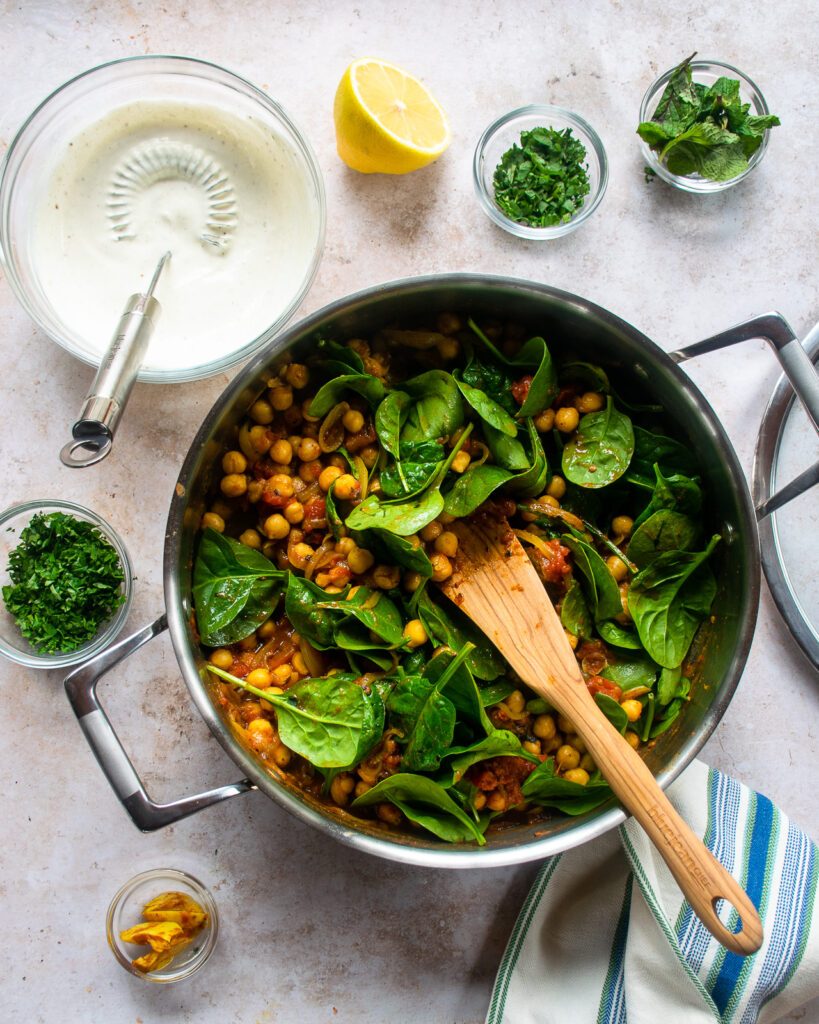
{"x":542,"y":181}
{"x":66,"y":582}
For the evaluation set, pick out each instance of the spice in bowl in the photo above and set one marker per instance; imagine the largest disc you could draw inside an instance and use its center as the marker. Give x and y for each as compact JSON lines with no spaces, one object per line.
{"x":705,"y":130}
{"x":544,"y":180}
{"x":66,"y":582}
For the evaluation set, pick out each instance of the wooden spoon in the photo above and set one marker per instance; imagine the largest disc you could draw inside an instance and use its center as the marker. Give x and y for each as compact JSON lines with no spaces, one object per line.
{"x":496,"y":585}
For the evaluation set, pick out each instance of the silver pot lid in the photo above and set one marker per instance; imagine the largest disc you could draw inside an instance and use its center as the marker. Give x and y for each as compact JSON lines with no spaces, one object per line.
{"x":787,"y":453}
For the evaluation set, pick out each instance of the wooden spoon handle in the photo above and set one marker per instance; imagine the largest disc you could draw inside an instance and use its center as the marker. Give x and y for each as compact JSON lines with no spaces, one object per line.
{"x":701,"y":877}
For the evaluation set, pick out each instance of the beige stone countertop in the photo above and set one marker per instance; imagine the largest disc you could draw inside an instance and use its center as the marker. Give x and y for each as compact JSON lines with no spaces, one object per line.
{"x":312,"y":931}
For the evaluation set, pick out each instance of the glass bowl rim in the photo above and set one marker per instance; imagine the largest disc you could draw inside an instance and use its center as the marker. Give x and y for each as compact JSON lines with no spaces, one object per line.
{"x":173,"y":875}
{"x":702,"y":186}
{"x":223,"y":363}
{"x":555,"y":230}
{"x":115,"y":624}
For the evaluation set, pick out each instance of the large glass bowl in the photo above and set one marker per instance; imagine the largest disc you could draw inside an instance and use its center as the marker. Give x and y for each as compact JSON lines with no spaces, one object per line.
{"x":35,"y":152}
{"x":502,"y":134}
{"x":13,"y":645}
{"x":707,"y":72}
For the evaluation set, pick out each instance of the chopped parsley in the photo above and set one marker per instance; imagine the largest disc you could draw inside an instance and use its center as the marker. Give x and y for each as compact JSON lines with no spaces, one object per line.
{"x":66,"y":582}
{"x":705,"y":130}
{"x":544,"y":180}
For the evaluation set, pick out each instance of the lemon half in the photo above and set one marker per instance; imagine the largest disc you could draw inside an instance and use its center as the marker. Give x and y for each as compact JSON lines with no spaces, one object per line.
{"x":387,"y":122}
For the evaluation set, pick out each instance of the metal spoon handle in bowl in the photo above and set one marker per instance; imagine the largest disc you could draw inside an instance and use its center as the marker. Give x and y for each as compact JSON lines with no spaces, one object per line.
{"x":93,"y":433}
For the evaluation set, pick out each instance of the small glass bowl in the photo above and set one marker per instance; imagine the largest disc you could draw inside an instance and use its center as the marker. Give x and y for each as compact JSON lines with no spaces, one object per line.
{"x":706,"y":72}
{"x":502,"y":134}
{"x":13,"y":645}
{"x":126,"y":909}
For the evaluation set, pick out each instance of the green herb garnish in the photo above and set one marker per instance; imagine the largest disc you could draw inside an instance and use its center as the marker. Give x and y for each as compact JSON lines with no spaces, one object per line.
{"x":66,"y":582}
{"x":542,"y":181}
{"x":705,"y":130}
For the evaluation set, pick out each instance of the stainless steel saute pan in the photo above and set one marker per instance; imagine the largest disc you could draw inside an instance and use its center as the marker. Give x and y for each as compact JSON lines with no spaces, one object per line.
{"x":566,"y":321}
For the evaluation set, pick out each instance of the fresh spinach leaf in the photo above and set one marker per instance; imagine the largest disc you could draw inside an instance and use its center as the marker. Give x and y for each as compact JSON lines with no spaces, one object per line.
{"x":652,"y":449}
{"x":612,"y":710}
{"x":574,"y":612}
{"x":487,"y":408}
{"x":600,"y":451}
{"x":322,"y":618}
{"x":333,"y":722}
{"x":677,"y":492}
{"x":663,"y":530}
{"x":508,"y":452}
{"x":425,"y":803}
{"x":414,"y":470}
{"x":547,"y":789}
{"x":499,"y":743}
{"x":618,"y":636}
{"x":334,"y":520}
{"x":630,"y":671}
{"x":602,"y":592}
{"x":533,"y":355}
{"x":492,"y":380}
{"x":330,"y":394}
{"x":403,"y":517}
{"x":589,"y":374}
{"x":459,"y":686}
{"x":473,"y":487}
{"x":235,"y":589}
{"x":437,"y":411}
{"x":453,"y":629}
{"x":668,"y":600}
{"x":426,"y":718}
{"x":494,"y":693}
{"x":389,"y":419}
{"x":336,"y":359}
{"x":532,"y":481}
{"x":400,"y":551}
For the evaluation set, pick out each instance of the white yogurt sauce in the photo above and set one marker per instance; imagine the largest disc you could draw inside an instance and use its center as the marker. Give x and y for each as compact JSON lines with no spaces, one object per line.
{"x":230,"y":199}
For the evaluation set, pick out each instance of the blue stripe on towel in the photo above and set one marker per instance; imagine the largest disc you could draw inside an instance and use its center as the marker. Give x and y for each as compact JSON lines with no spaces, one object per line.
{"x":613,"y":1001}
{"x":732,"y":965}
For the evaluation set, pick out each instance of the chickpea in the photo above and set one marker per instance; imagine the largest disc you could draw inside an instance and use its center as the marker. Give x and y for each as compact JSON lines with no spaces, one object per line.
{"x":251,"y":539}
{"x":415,"y":633}
{"x":446,"y":519}
{"x":255,"y":489}
{"x":234,"y":462}
{"x":369,"y":455}
{"x":345,"y":545}
{"x":590,"y":401}
{"x":360,"y":560}
{"x":578,"y":744}
{"x":346,"y":487}
{"x":566,"y":419}
{"x":447,"y":544}
{"x":567,"y":757}
{"x":211,"y":521}
{"x":448,"y":349}
{"x":441,"y":567}
{"x":262,"y":412}
{"x":341,"y":787}
{"x":587,"y":764}
{"x":328,"y":477}
{"x":233,"y":485}
{"x":557,"y":488}
{"x":412,"y":581}
{"x":544,"y":727}
{"x":564,"y":724}
{"x":479,"y":801}
{"x":299,"y":664}
{"x":260,"y":678}
{"x":389,"y":814}
{"x":496,"y":801}
{"x":248,"y":643}
{"x":516,"y":702}
{"x":260,"y":439}
{"x":276,"y":527}
{"x":432,"y":531}
{"x":281,"y":755}
{"x":387,"y":577}
{"x":632,"y":708}
{"x":309,"y":449}
{"x":361,"y":787}
{"x":221,"y":658}
{"x":460,"y":463}
{"x":297,"y":376}
{"x":281,"y":452}
{"x":281,"y":398}
{"x":633,"y":740}
{"x":617,"y":567}
{"x":547,"y":499}
{"x":532,"y":746}
{"x":573,"y":640}
{"x":294,"y":512}
{"x":310,"y":471}
{"x":300,"y":555}
{"x":622,"y":526}
{"x":282,"y":673}
{"x":545,"y":421}
{"x":260,"y":733}
{"x":448,"y":323}
{"x":280,"y":485}
{"x":353,"y":421}
{"x":578,"y":775}
{"x":222,"y":508}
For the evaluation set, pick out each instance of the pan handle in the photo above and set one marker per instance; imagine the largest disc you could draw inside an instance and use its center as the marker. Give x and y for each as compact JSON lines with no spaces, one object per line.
{"x":81,"y":687}
{"x":799,"y":369}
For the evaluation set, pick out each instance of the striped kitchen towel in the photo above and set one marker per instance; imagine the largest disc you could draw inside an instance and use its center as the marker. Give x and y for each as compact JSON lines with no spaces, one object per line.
{"x":605,"y":936}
